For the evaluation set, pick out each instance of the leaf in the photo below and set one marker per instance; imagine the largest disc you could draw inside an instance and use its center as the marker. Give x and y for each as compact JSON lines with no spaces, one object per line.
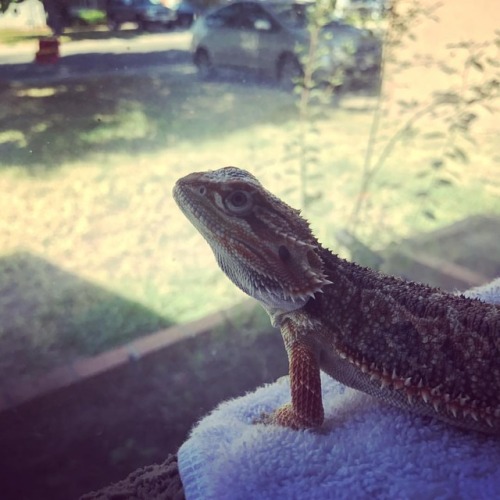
{"x":312,"y":198}
{"x":434,"y":135}
{"x":470,"y":139}
{"x":474,"y":62}
{"x":289,"y":191}
{"x":444,"y":182}
{"x":468,"y":118}
{"x":490,"y":109}
{"x":446,"y":98}
{"x":422,"y":174}
{"x":458,"y":154}
{"x":446,"y":69}
{"x":407,"y":104}
{"x":317,"y":176}
{"x":492,"y":62}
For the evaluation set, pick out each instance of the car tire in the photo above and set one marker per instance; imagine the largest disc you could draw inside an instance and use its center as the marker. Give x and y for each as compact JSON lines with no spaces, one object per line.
{"x":203,"y":64}
{"x":113,"y":25}
{"x":289,"y":70}
{"x":184,"y":21}
{"x":142,"y":24}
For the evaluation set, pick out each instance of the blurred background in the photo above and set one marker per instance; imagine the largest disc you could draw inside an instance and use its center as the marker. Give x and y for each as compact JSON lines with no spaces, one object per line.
{"x":377,"y":118}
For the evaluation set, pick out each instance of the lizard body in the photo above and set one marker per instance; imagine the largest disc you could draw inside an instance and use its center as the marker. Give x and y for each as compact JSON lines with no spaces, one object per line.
{"x":408,"y":344}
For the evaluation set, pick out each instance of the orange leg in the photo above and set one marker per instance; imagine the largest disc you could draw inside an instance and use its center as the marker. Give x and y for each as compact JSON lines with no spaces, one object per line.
{"x":306,"y":408}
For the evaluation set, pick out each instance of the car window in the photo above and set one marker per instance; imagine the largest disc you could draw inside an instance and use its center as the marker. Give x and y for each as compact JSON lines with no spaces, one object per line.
{"x":294,"y":15}
{"x":146,"y":3}
{"x":224,"y":18}
{"x":240,"y":16}
{"x":250,"y":14}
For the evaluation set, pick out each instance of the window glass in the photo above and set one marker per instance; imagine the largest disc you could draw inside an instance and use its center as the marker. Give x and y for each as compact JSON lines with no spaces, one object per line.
{"x":229,"y":17}
{"x":252,"y":13}
{"x":383,"y":132}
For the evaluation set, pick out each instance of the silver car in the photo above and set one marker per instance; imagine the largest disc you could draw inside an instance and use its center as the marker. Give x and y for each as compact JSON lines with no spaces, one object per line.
{"x":268,"y":37}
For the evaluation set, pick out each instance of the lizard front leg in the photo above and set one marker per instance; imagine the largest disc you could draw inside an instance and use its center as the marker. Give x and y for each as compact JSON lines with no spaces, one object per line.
{"x":306,"y":407}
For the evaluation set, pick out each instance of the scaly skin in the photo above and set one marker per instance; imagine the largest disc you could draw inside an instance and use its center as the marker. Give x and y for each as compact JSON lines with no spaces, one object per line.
{"x":408,"y":344}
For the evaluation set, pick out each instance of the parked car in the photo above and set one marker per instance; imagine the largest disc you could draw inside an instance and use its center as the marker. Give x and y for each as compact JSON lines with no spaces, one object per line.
{"x":186,"y":12}
{"x":268,"y":36}
{"x":145,"y":13}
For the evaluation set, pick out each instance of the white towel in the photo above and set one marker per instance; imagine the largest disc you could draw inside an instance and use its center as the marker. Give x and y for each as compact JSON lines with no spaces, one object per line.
{"x":365,"y":449}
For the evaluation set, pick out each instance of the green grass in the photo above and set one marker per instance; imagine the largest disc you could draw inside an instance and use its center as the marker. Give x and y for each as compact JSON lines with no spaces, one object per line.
{"x":92,"y":27}
{"x":16,"y":36}
{"x":86,"y":172}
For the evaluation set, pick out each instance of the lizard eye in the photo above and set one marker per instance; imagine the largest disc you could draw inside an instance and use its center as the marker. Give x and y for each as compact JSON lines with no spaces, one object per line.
{"x":239,"y":202}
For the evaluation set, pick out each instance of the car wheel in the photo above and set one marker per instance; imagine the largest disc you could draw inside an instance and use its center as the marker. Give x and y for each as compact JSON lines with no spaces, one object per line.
{"x":185,"y":20}
{"x":113,"y":25}
{"x":289,"y":71}
{"x":142,"y":25}
{"x":203,"y":64}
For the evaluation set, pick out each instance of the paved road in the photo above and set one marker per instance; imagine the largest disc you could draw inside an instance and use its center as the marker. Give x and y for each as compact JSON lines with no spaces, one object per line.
{"x":109,"y":55}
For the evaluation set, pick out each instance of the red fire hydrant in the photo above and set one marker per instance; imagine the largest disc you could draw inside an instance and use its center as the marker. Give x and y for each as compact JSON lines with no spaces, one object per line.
{"x":48,"y":51}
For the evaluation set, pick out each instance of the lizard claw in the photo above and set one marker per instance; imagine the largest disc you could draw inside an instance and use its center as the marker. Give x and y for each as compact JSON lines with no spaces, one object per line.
{"x":264,"y":418}
{"x":284,"y":417}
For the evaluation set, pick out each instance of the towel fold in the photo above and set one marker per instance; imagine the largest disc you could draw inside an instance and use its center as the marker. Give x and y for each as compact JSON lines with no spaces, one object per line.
{"x":364,"y":449}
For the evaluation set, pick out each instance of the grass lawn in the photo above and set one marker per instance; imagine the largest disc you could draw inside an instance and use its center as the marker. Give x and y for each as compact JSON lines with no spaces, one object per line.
{"x":15,"y":36}
{"x":93,"y":250}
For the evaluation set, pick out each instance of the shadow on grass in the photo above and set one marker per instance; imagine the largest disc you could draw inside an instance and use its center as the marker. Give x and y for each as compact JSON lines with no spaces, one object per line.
{"x":50,"y":317}
{"x":83,"y":437}
{"x":14,"y":36}
{"x":86,"y":66}
{"x":46,"y":125}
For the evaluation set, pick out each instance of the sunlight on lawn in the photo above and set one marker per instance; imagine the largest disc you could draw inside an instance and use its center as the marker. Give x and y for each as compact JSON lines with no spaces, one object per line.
{"x":129,"y":122}
{"x":37,"y":92}
{"x":93,"y":199}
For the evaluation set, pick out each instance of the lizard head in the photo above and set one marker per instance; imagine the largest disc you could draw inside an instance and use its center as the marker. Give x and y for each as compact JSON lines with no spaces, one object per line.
{"x":263,"y":245}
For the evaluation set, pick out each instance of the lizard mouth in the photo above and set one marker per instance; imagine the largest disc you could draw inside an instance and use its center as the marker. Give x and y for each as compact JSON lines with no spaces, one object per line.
{"x":192,"y":206}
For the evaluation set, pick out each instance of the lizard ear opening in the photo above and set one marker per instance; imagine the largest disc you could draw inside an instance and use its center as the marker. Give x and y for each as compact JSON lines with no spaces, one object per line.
{"x":284,"y":253}
{"x":299,"y":270}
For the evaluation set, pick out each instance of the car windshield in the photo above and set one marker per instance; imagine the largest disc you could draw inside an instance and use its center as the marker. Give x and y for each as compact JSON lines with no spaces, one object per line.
{"x":296,"y":15}
{"x":293,"y":15}
{"x":153,"y":3}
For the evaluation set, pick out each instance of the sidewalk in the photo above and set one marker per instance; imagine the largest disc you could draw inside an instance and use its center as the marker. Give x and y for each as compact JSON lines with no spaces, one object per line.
{"x":114,"y":55}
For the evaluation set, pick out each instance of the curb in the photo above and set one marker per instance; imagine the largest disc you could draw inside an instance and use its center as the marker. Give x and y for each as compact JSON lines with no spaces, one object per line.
{"x":16,"y":392}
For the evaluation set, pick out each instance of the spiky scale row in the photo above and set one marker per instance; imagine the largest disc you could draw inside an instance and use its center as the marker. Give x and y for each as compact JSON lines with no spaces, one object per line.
{"x":417,"y":391}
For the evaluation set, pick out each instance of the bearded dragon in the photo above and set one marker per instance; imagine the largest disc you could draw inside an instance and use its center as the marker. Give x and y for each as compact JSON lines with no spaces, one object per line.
{"x":411,"y":345}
